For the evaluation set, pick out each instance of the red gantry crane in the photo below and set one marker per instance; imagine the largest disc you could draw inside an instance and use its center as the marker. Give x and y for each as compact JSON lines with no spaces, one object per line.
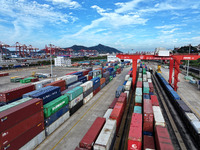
{"x":3,"y":45}
{"x":175,"y":61}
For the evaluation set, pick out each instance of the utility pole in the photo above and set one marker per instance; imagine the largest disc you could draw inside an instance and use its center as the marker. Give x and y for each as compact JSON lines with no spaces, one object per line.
{"x":188,"y":60}
{"x":51,"y":61}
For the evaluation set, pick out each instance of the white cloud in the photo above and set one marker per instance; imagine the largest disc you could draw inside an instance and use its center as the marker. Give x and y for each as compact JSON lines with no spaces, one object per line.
{"x":65,"y":3}
{"x":170,"y":31}
{"x":169,"y":26}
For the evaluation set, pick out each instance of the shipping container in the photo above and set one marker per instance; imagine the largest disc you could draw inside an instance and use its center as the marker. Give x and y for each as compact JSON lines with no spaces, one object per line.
{"x":95,"y":86}
{"x":102,"y":80}
{"x":29,"y":94}
{"x":138,"y":91}
{"x":158,"y":117}
{"x":146,"y":97}
{"x":75,"y":85}
{"x":162,"y":138}
{"x":96,"y":91}
{"x":112,"y":105}
{"x":86,"y":99}
{"x":75,"y":101}
{"x":68,"y":79}
{"x":137,"y":109}
{"x":117,"y":114}
{"x":87,"y":85}
{"x":146,"y":84}
{"x":75,"y":108}
{"x":53,"y":106}
{"x":191,"y":116}
{"x":18,"y":129}
{"x":107,"y":114}
{"x":138,"y":100}
{"x":60,"y":83}
{"x":51,"y":128}
{"x":139,"y":84}
{"x":24,"y":138}
{"x":103,"y":85}
{"x":88,"y":92}
{"x":16,"y":93}
{"x":154,"y":100}
{"x":40,"y":84}
{"x":82,"y":79}
{"x":56,"y":115}
{"x":147,"y":116}
{"x":119,"y":90}
{"x":148,"y":143}
{"x":127,"y":93}
{"x":16,"y":114}
{"x":90,"y":137}
{"x":105,"y":140}
{"x":135,"y":132}
{"x":75,"y":92}
{"x":127,"y":87}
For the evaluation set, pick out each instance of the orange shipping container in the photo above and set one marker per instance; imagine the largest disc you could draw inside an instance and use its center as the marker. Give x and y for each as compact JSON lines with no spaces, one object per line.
{"x":102,"y":80}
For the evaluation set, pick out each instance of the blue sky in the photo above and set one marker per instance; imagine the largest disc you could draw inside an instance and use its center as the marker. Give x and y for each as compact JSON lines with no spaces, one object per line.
{"x":123,"y":24}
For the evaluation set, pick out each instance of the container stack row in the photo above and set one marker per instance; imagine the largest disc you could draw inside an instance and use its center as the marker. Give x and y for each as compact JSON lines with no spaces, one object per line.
{"x":186,"y":114}
{"x":51,"y":102}
{"x":147,"y":129}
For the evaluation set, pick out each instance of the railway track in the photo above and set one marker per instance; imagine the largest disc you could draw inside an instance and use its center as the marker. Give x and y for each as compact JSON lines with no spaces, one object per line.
{"x":180,"y":136}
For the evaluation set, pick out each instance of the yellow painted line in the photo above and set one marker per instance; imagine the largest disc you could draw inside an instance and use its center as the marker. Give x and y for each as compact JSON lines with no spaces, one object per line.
{"x":80,"y":119}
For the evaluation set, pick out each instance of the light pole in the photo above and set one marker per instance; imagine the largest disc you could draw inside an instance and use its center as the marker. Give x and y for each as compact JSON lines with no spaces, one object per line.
{"x":51,"y":61}
{"x":188,"y":60}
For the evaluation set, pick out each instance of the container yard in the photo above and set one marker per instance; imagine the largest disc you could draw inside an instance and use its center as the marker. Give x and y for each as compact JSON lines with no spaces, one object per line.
{"x":117,"y":106}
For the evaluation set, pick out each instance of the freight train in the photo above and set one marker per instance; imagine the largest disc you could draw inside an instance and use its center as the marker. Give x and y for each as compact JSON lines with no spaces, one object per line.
{"x":186,"y":114}
{"x":191,"y":69}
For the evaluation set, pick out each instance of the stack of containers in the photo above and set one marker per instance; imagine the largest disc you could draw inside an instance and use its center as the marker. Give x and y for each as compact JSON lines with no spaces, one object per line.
{"x":69,"y":79}
{"x":90,"y":75}
{"x":90,"y":137}
{"x":55,"y":113}
{"x":97,"y":73}
{"x":16,"y":93}
{"x":135,"y":132}
{"x":47,"y":94}
{"x":106,"y":75}
{"x":127,"y":77}
{"x":106,"y":137}
{"x":145,"y":88}
{"x":103,"y":82}
{"x":40,"y":84}
{"x":60,"y":83}
{"x":112,"y":105}
{"x":74,"y":85}
{"x":127,"y":87}
{"x":79,"y":74}
{"x":118,"y":71}
{"x":82,"y":79}
{"x":75,"y":99}
{"x":87,"y":91}
{"x":22,"y":124}
{"x":96,"y":85}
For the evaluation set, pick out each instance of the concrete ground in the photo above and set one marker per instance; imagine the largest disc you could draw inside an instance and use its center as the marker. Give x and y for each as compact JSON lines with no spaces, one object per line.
{"x":187,"y":91}
{"x":5,"y":83}
{"x":70,"y":133}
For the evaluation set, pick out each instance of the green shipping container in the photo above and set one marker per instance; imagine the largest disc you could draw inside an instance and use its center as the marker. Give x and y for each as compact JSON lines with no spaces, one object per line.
{"x":111,"y":78}
{"x":53,"y":106}
{"x":137,"y":109}
{"x":26,"y":80}
{"x":75,"y":92}
{"x":140,"y":79}
{"x":146,"y":90}
{"x":138,"y":99}
{"x":15,"y":80}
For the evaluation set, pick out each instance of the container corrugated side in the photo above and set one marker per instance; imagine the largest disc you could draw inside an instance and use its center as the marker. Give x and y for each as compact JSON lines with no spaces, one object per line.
{"x":106,"y":136}
{"x":89,"y":97}
{"x":75,"y":101}
{"x":87,"y":85}
{"x":74,"y":93}
{"x":158,"y":117}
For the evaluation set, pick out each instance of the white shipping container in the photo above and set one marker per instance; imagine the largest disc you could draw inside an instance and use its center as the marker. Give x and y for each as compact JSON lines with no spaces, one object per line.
{"x":144,"y":79}
{"x":89,"y":97}
{"x":87,"y":85}
{"x":127,"y":92}
{"x":75,"y":101}
{"x":40,"y":84}
{"x":196,"y":125}
{"x":127,"y":87}
{"x":86,"y":76}
{"x":68,"y":78}
{"x":191,"y":116}
{"x":140,"y":75}
{"x":138,"y":91}
{"x":148,"y":75}
{"x":126,"y":77}
{"x":107,"y":114}
{"x":149,"y":80}
{"x":106,"y":136}
{"x":146,"y":84}
{"x":56,"y":124}
{"x":158,"y":116}
{"x":32,"y":144}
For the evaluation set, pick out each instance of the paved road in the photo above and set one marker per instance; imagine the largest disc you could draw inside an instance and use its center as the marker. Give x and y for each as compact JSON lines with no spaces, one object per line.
{"x":72,"y":131}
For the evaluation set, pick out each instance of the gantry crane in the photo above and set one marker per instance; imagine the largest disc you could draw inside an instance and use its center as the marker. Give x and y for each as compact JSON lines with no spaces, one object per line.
{"x":3,"y":45}
{"x":175,"y":60}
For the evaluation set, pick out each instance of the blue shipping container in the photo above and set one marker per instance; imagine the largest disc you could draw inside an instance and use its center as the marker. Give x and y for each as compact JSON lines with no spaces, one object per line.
{"x":146,"y":97}
{"x":36,"y":91}
{"x":79,"y":74}
{"x":95,"y":80}
{"x":82,"y":79}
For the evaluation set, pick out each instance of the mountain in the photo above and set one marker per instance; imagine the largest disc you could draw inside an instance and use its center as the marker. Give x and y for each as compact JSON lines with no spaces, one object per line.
{"x":100,"y":48}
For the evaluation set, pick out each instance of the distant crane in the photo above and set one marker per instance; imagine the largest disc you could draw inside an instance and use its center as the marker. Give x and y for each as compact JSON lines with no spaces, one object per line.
{"x":3,"y":45}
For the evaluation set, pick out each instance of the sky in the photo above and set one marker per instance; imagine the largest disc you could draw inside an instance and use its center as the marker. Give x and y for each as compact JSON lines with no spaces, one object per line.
{"x":127,"y":25}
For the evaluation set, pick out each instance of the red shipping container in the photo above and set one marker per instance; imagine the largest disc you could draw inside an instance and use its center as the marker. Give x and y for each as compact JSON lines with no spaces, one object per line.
{"x":24,"y":138}
{"x":13,"y":132}
{"x":102,"y":80}
{"x":151,"y":89}
{"x":139,"y":84}
{"x":71,"y":73}
{"x":92,"y":134}
{"x":16,"y":93}
{"x":12,"y":116}
{"x":162,"y":138}
{"x":4,"y":74}
{"x":60,"y":83}
{"x":122,"y":100}
{"x":89,"y":78}
{"x":135,"y":132}
{"x":117,"y":114}
{"x":34,"y":80}
{"x":85,"y":72}
{"x":112,"y":105}
{"x":154,"y":100}
{"x":96,"y":91}
{"x":148,"y":142}
{"x":148,"y":116}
